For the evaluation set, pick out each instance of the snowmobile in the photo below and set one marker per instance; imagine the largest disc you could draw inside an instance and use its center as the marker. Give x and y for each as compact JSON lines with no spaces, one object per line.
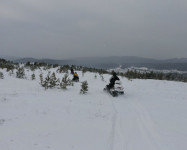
{"x":75,"y":77}
{"x":116,"y":90}
{"x":75,"y":80}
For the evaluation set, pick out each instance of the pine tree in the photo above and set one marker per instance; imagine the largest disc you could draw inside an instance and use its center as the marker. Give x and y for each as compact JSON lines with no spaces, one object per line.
{"x":46,"y":82}
{"x":1,"y":75}
{"x":20,"y":73}
{"x":33,"y":77}
{"x":84,"y":87}
{"x":65,"y":82}
{"x":53,"y":80}
{"x":41,"y":78}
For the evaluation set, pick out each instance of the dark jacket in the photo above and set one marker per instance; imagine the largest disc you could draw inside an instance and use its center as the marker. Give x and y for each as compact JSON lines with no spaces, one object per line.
{"x":112,"y":81}
{"x":72,"y":71}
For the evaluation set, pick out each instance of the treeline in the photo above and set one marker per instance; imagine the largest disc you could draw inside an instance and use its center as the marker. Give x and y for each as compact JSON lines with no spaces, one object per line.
{"x":130,"y":74}
{"x":37,"y":65}
{"x":64,"y":68}
{"x":154,"y":75}
{"x":6,"y":65}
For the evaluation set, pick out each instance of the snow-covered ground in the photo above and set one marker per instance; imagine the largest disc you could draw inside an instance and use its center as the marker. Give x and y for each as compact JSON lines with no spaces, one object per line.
{"x":145,"y":69}
{"x":152,"y":115}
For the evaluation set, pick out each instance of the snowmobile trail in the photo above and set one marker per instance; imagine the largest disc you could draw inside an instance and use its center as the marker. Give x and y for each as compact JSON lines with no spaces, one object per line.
{"x":113,"y":127}
{"x":113,"y":131}
{"x":116,"y":138}
{"x":132,"y":127}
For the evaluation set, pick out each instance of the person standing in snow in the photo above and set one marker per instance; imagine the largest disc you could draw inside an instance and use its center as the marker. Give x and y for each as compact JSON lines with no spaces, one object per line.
{"x":72,"y":71}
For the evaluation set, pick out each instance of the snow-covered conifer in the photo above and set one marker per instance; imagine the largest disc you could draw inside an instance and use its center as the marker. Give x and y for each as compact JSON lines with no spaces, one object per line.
{"x":84,"y":87}
{"x":41,"y":78}
{"x":46,"y":82}
{"x":20,"y":72}
{"x":1,"y":75}
{"x":33,"y":77}
{"x":65,"y":82}
{"x":53,"y":80}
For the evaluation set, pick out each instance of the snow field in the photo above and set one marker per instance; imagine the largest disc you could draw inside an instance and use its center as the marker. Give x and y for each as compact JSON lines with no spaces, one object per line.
{"x":152,"y":115}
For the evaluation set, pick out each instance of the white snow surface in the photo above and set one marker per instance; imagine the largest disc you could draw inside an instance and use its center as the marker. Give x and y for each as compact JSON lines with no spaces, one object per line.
{"x":152,"y":115}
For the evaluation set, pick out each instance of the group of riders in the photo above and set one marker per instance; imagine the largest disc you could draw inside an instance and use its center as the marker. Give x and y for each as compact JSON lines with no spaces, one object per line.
{"x":109,"y":86}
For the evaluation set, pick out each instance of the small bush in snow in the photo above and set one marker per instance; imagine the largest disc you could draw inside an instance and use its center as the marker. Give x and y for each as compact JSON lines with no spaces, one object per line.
{"x":41,"y":78}
{"x":95,"y":76}
{"x":53,"y":80}
{"x":33,"y":67}
{"x":20,"y":73}
{"x":33,"y":77}
{"x":65,"y":82}
{"x":63,"y":69}
{"x":1,"y":75}
{"x":46,"y":82}
{"x":50,"y":81}
{"x":84,"y":87}
{"x":55,"y":65}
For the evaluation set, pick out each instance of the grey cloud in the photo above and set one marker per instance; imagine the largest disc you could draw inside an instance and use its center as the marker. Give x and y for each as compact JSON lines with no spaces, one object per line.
{"x":64,"y":29}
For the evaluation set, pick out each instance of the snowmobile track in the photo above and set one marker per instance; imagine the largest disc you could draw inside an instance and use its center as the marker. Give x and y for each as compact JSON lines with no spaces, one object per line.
{"x":135,"y":124}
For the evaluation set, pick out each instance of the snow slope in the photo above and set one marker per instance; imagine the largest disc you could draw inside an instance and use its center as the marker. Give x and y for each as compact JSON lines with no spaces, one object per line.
{"x":152,"y":115}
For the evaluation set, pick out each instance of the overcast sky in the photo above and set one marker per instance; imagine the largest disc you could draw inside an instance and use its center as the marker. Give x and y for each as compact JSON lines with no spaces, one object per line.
{"x":61,"y":29}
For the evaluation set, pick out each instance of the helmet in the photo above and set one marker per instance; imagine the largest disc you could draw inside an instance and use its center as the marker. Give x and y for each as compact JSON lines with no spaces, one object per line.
{"x":114,"y":73}
{"x":75,"y":74}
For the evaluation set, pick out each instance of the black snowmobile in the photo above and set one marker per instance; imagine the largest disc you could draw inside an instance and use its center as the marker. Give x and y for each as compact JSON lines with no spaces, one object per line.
{"x":116,"y":90}
{"x":75,"y":77}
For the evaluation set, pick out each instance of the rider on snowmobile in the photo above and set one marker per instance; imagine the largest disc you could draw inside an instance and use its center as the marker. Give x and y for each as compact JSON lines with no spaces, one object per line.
{"x":112,"y":80}
{"x":75,"y":77}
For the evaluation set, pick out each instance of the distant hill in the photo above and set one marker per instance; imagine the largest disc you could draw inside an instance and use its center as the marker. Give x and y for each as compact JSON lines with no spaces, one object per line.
{"x":115,"y":61}
{"x":176,"y":60}
{"x":10,"y":58}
